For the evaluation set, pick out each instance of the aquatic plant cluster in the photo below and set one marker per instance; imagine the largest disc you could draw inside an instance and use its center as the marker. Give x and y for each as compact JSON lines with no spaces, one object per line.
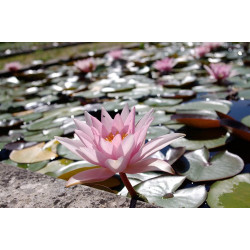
{"x":98,"y":104}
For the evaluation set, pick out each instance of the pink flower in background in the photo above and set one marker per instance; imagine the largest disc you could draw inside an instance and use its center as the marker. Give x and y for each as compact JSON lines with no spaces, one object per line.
{"x":213,"y":45}
{"x":201,"y":51}
{"x":220,"y":71}
{"x":165,"y":65}
{"x":86,"y":65}
{"x":13,"y":66}
{"x":117,"y":146}
{"x":115,"y":54}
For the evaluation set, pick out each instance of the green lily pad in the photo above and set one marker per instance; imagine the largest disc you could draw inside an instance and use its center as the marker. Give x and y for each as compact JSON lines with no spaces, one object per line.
{"x":244,"y":94}
{"x":199,"y":138}
{"x":72,"y":169}
{"x":37,"y":166}
{"x":157,"y":131}
{"x":161,"y":191}
{"x":159,"y":118}
{"x":173,"y":154}
{"x":54,"y":166}
{"x":230,"y":193}
{"x":208,"y":88}
{"x":246,"y":120}
{"x":47,"y":122}
{"x":2,"y":144}
{"x":198,"y":166}
{"x":89,"y":94}
{"x":162,"y":102}
{"x":44,"y":135}
{"x":65,"y":153}
{"x":31,"y":117}
{"x":221,"y":106}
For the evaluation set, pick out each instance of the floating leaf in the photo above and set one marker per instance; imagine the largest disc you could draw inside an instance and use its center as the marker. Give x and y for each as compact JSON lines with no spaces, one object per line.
{"x":221,"y":106}
{"x":198,"y":119}
{"x":54,"y":166}
{"x":44,"y":135}
{"x":246,"y":120}
{"x":199,"y":138}
{"x":161,"y":191}
{"x":72,"y":169}
{"x":198,"y":166}
{"x":237,"y":128}
{"x":33,"y":154}
{"x":64,"y":152}
{"x":162,"y":102}
{"x":230,"y":193}
{"x":157,"y":131}
{"x":173,"y":154}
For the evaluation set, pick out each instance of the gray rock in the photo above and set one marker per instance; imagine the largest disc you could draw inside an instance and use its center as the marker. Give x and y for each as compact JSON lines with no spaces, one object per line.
{"x":21,"y":188}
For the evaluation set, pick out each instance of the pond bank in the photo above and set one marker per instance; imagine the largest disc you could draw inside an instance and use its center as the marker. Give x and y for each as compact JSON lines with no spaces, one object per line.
{"x":20,"y":188}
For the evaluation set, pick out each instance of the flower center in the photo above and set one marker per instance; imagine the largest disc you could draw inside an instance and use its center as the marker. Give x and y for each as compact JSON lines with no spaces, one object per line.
{"x":111,"y":136}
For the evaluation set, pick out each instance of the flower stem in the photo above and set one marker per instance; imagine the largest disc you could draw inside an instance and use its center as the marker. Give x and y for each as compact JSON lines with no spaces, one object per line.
{"x":128,"y":185}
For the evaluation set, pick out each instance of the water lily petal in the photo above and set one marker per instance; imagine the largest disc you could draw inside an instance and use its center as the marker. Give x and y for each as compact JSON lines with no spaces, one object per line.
{"x":125,"y":112}
{"x":118,"y":165}
{"x":85,"y":139}
{"x":106,"y":119}
{"x":83,"y":127}
{"x":89,"y":176}
{"x":149,"y":164}
{"x":106,"y":146}
{"x":155,"y":145}
{"x":117,"y":124}
{"x":93,"y":156}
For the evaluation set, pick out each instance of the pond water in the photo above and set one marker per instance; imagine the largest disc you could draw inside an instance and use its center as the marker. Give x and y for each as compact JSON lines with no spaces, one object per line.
{"x":37,"y":105}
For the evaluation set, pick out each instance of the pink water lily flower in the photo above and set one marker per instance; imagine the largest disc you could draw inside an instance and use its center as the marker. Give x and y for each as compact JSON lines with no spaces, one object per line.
{"x":86,"y":65}
{"x":116,"y":146}
{"x":220,"y":71}
{"x":13,"y":66}
{"x":165,"y":65}
{"x":115,"y":54}
{"x":201,"y":51}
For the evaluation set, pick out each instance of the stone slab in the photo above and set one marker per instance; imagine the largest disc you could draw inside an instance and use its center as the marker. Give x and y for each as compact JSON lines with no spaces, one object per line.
{"x":21,"y":188}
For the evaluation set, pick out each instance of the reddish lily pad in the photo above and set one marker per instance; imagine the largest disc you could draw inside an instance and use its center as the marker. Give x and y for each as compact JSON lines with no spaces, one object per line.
{"x":197,"y":118}
{"x":237,"y":128}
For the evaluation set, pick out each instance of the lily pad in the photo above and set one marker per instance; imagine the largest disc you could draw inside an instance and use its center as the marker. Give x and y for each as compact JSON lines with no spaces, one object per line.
{"x":221,"y":106}
{"x":237,"y":128}
{"x":73,"y":168}
{"x":54,"y":166}
{"x":161,"y":191}
{"x":198,"y":166}
{"x":230,"y":193}
{"x":162,"y":102}
{"x":196,"y":139}
{"x":244,"y":94}
{"x":65,"y":153}
{"x":157,"y":131}
{"x":246,"y":120}
{"x":173,"y":154}
{"x":32,"y":154}
{"x":197,"y":118}
{"x":44,"y":135}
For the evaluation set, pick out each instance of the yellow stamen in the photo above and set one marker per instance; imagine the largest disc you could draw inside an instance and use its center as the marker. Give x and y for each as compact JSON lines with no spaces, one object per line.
{"x":111,"y":136}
